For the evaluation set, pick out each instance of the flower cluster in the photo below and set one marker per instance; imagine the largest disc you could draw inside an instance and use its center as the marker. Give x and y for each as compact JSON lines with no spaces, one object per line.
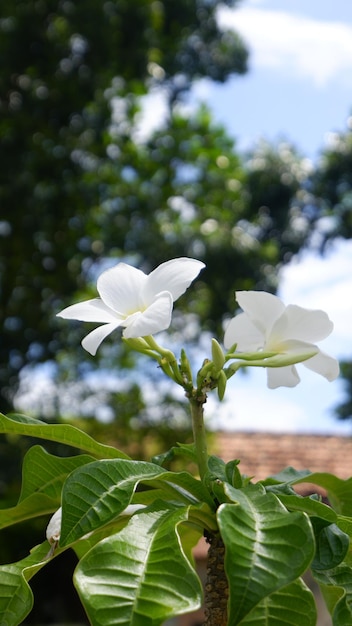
{"x":267,"y":333}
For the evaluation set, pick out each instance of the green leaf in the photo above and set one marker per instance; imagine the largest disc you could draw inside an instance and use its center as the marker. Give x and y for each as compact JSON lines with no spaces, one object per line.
{"x":87,"y":542}
{"x":186,"y":450}
{"x":345,"y":523}
{"x":292,"y":605}
{"x":233,"y":474}
{"x":16,"y":597}
{"x":339,"y":491}
{"x":312,"y":507}
{"x":60,"y":433}
{"x":96,"y":493}
{"x":183,"y":485}
{"x":287,"y":475}
{"x":43,"y":477}
{"x":336,"y":586}
{"x":266,"y":547}
{"x":331,"y":547}
{"x":225,"y":472}
{"x":45,"y":473}
{"x":141,"y":575}
{"x":33,"y":506}
{"x":216,"y":469}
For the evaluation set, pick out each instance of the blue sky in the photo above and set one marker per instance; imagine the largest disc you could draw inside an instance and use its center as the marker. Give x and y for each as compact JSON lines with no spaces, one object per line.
{"x":299,"y":88}
{"x":299,"y":84}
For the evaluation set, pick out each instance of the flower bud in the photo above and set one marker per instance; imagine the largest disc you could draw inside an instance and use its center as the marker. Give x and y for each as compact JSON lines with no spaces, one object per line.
{"x":222,"y":381}
{"x":54,"y":527}
{"x":217,"y":355}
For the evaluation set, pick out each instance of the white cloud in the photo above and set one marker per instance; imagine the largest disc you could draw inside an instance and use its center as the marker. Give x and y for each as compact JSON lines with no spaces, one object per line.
{"x":316,"y":50}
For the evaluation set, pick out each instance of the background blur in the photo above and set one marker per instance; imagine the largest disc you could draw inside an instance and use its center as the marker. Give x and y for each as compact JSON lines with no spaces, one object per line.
{"x":130,"y":130}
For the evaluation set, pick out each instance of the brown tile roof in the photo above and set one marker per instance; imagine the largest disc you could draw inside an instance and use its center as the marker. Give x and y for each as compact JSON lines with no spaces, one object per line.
{"x":262,"y":454}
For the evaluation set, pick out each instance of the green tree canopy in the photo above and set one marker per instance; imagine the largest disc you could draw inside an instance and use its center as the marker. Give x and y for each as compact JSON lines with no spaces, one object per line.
{"x":80,"y":189}
{"x":62,"y":63}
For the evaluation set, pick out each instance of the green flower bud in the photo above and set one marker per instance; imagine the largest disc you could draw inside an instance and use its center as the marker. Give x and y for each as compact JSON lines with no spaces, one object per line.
{"x":222,"y":381}
{"x":217,"y":355}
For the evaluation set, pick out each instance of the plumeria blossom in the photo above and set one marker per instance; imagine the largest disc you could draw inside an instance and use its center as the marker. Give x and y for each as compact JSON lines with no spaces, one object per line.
{"x":267,"y":325}
{"x":140,"y":303}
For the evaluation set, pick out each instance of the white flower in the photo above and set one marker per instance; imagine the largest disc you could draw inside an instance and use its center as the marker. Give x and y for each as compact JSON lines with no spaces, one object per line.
{"x":53,"y":529}
{"x":268,"y":325}
{"x":140,"y":303}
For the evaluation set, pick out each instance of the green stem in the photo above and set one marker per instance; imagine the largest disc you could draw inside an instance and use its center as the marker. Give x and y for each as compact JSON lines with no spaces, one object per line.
{"x":199,"y":434}
{"x":168,"y":360}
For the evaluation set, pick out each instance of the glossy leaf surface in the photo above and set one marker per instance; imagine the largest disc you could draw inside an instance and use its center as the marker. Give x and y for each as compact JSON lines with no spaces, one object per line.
{"x":95,"y":494}
{"x":16,"y":597}
{"x":336,"y":586}
{"x":293,"y":605}
{"x":60,"y":433}
{"x":266,"y":547}
{"x":139,"y":576}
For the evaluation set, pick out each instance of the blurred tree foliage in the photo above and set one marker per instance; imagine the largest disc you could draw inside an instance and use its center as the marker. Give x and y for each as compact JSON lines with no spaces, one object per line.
{"x":80,"y":187}
{"x":331,"y":190}
{"x":62,"y":64}
{"x":330,"y":200}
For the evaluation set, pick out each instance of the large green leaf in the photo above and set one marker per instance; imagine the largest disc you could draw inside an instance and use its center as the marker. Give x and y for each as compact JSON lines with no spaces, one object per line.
{"x":293,"y":605}
{"x":266,"y":547}
{"x":45,"y":473}
{"x":345,"y":523}
{"x":33,"y":506}
{"x":16,"y":597}
{"x":43,"y":477}
{"x":184,"y":486}
{"x":60,"y":433}
{"x":336,"y":586}
{"x":141,"y":575}
{"x":312,"y":507}
{"x":331,"y":547}
{"x":287,"y":475}
{"x":339,"y":491}
{"x":96,"y":493}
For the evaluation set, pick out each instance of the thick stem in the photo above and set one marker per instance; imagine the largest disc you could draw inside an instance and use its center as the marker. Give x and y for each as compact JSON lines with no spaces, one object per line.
{"x":199,"y":434}
{"x":216,"y":586}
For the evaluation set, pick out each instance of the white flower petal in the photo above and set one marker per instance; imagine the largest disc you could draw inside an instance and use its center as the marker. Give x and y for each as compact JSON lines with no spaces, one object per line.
{"x":242,"y":331}
{"x":303,"y":324}
{"x":174,"y":276}
{"x":289,"y":332}
{"x":120,"y":287}
{"x":53,"y":529}
{"x":282,"y":377}
{"x":293,"y":346}
{"x":324,"y":365}
{"x":155,"y":318}
{"x":93,"y":340}
{"x":89,"y":311}
{"x":261,"y":307}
